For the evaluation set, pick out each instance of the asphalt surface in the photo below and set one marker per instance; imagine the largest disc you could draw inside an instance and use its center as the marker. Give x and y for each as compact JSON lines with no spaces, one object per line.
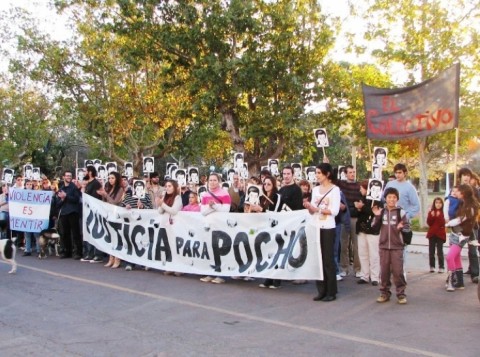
{"x":64,"y":307}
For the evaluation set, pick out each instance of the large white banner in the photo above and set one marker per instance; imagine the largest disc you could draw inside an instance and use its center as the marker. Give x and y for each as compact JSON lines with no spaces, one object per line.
{"x":278,"y":245}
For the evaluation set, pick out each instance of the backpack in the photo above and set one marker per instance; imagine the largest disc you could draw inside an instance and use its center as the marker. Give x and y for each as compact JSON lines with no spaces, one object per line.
{"x":406,"y":233}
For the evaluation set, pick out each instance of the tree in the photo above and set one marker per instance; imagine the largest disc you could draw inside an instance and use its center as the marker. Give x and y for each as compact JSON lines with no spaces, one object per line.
{"x":121,"y":110}
{"x":252,"y":66}
{"x":426,"y":37}
{"x":28,"y":128}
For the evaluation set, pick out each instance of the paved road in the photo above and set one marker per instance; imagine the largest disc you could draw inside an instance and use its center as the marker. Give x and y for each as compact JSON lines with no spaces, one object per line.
{"x":59,"y":307}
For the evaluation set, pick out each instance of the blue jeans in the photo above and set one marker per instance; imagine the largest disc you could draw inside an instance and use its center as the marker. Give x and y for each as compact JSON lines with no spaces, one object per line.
{"x":90,"y":252}
{"x":29,"y":236}
{"x":339,"y":228}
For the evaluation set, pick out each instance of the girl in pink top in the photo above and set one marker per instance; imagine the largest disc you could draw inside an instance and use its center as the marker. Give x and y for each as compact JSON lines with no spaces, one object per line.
{"x":193,"y":205}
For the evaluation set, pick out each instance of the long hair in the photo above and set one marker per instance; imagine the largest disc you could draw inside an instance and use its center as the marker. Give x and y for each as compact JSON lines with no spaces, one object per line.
{"x":468,"y":204}
{"x":170,"y":198}
{"x":435,"y":200}
{"x":113,"y":190}
{"x":266,"y":199}
{"x":274,"y":186}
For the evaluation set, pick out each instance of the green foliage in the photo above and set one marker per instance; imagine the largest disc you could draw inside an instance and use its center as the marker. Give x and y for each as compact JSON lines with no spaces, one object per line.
{"x":255,"y":64}
{"x":425,"y":38}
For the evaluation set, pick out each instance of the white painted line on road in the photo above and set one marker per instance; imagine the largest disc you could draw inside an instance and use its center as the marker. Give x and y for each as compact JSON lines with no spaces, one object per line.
{"x":313,"y":330}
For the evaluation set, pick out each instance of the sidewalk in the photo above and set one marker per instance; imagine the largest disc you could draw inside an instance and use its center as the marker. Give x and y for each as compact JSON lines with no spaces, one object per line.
{"x":420,"y":244}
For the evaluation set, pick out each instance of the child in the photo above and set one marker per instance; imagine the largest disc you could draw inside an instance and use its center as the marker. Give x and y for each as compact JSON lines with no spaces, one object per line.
{"x":436,"y":234}
{"x":392,"y":221}
{"x":463,"y":225}
{"x":451,"y":204}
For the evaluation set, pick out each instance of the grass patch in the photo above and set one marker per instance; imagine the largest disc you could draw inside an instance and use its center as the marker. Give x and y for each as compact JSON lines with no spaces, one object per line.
{"x":415,"y":226}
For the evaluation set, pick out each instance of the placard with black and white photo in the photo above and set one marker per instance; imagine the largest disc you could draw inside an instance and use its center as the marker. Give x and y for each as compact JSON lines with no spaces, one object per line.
{"x":321,"y":137}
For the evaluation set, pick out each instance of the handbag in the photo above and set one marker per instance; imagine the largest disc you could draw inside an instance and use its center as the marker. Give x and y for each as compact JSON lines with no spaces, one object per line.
{"x":215,"y":197}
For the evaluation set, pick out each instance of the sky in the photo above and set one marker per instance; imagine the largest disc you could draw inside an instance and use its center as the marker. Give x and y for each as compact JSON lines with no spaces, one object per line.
{"x":55,"y":25}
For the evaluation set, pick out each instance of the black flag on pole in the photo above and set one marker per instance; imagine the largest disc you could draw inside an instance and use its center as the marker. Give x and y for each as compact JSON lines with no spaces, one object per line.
{"x":413,"y":112}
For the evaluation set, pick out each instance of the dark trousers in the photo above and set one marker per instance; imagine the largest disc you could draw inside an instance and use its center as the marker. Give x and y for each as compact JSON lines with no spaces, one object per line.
{"x":70,"y":239}
{"x":90,"y":252}
{"x":391,"y":263}
{"x":473,"y":260}
{"x":327,"y":286}
{"x":435,"y":243}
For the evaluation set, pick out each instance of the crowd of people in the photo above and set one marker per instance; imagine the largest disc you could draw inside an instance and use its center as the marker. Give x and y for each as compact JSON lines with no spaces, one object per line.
{"x":360,"y":235}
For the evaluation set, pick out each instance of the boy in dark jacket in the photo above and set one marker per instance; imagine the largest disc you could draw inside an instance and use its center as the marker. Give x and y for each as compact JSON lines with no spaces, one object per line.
{"x":392,"y":220}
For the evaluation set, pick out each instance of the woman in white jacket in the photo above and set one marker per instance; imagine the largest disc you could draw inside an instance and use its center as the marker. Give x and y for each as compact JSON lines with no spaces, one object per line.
{"x":169,"y":205}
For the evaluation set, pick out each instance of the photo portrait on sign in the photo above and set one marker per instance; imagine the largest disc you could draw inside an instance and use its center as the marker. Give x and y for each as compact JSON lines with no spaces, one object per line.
{"x":244,"y":171}
{"x":238,"y":160}
{"x":88,"y":163}
{"x":36,"y":174}
{"x":128,"y":169}
{"x":7,"y":175}
{"x":375,"y":190}
{"x":310,"y":174}
{"x":97,"y":163}
{"x":102,"y":172}
{"x":201,"y":192}
{"x":273,"y":167}
{"x":80,"y":173}
{"x":180,"y":176}
{"x":297,"y":170}
{"x":252,"y":195}
{"x":193,"y":175}
{"x":380,"y":156}
{"x":148,"y":164}
{"x":111,"y":166}
{"x":321,"y":138}
{"x":171,"y":168}
{"x":28,"y":171}
{"x":230,"y":174}
{"x":139,"y":189}
{"x":376,"y":172}
{"x":342,"y":173}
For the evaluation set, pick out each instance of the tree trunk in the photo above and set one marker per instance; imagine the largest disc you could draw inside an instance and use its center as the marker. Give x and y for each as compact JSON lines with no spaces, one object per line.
{"x":423,"y":182}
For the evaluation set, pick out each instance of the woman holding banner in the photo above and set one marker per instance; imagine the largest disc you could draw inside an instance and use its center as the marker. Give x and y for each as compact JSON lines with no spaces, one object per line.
{"x":216,"y":199}
{"x":168,"y":206}
{"x":269,"y":201}
{"x":325,"y":205}
{"x":113,"y":193}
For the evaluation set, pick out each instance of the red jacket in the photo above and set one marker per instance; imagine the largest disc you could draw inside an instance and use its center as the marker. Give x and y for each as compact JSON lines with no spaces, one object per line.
{"x":436,"y":224}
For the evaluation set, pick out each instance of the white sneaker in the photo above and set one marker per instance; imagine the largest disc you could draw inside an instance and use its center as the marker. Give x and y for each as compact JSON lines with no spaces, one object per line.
{"x":358,"y":274}
{"x":343,"y":274}
{"x":206,"y":279}
{"x":339,"y":277}
{"x":218,"y":280}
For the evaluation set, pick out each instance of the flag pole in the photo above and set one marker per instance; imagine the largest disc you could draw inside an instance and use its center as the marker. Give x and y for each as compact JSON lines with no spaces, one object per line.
{"x":455,"y":156}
